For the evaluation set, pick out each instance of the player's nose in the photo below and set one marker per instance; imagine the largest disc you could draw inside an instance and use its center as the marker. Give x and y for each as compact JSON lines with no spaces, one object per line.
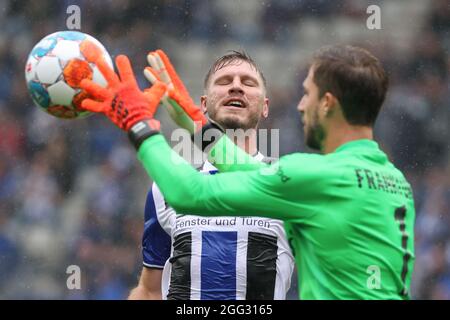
{"x":236,"y":87}
{"x":301,"y":106}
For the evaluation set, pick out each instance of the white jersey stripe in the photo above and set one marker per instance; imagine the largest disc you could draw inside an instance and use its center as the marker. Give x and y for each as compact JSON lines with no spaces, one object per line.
{"x":196,"y":255}
{"x":241,"y":266}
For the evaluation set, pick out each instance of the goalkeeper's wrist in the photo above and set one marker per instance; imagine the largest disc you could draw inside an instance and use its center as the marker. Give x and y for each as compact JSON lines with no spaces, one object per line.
{"x":208,"y":135}
{"x":142,"y":130}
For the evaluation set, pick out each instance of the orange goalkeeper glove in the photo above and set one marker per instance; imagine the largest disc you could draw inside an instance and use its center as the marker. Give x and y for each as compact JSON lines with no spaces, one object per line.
{"x":178,"y":102}
{"x":122,"y":101}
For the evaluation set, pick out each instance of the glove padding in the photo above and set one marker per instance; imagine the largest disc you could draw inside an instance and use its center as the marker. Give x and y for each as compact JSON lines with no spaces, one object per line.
{"x":121,"y":101}
{"x":177,"y":101}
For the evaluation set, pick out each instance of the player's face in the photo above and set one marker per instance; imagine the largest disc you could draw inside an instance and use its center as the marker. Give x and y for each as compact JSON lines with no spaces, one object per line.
{"x":309,"y":109}
{"x":236,"y":97}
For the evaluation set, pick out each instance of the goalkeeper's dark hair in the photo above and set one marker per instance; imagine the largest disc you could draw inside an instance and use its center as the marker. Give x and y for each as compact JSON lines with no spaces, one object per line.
{"x":355,"y":77}
{"x":233,"y":56}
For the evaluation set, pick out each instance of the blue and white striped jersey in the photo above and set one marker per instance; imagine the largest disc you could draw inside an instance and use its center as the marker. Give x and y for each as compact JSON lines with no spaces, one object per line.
{"x":216,"y":258}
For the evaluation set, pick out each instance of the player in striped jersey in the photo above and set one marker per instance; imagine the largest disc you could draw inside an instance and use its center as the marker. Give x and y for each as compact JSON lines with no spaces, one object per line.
{"x":220,"y":258}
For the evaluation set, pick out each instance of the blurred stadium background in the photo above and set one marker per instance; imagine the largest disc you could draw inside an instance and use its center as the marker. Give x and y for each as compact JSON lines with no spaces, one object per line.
{"x":72,"y":192}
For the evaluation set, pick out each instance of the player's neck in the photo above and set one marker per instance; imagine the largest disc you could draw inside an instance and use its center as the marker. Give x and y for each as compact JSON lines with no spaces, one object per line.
{"x":247,"y":142}
{"x":343,"y":134}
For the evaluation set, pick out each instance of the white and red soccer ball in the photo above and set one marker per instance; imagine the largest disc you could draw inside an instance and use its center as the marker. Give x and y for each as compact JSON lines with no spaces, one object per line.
{"x":54,"y":70}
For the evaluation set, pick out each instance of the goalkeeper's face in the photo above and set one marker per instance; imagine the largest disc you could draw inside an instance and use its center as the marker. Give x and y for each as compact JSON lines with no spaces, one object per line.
{"x":309,"y":107}
{"x":236,"y":96}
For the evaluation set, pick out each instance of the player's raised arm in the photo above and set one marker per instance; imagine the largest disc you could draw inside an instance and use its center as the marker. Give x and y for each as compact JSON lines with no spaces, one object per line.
{"x":226,"y":156}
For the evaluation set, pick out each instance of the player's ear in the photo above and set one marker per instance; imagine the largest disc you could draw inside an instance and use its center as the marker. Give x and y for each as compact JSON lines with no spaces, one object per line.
{"x":265,"y":109}
{"x":203,"y":103}
{"x":329,"y":104}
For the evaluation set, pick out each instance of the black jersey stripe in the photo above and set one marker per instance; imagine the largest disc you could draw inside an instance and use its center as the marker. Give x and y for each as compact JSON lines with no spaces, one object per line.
{"x":261,"y":266}
{"x":180,"y":278}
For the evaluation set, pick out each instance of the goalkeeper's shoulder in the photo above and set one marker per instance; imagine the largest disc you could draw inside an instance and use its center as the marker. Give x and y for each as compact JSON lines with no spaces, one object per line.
{"x":297,"y":159}
{"x":303,"y":166}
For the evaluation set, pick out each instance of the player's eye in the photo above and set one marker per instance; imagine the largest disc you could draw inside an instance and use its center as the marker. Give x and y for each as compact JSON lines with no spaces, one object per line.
{"x":223,"y":81}
{"x":250,"y":83}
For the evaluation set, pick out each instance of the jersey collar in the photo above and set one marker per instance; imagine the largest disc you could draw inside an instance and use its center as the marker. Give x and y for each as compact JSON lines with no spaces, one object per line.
{"x":358,"y":144}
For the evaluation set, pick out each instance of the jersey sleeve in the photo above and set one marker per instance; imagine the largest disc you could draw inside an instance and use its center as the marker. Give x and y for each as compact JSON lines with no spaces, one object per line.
{"x":228,"y":157}
{"x":156,"y":243}
{"x":273,"y":193}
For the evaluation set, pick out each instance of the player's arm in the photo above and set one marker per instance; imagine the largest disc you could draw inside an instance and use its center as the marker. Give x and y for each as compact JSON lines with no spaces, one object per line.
{"x":149,"y":286}
{"x":226,"y":156}
{"x":156,"y":244}
{"x":249,"y":193}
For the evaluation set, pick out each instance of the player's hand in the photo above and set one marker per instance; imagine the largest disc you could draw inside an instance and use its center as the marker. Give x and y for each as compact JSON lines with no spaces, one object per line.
{"x":122,"y":101}
{"x":177,"y":101}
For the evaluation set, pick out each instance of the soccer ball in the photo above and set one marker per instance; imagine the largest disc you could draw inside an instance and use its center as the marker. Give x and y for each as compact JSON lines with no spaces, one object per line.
{"x":54,"y":70}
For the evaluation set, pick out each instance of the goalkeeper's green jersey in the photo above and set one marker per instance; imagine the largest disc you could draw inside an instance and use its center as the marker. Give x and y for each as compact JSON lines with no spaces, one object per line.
{"x":349,"y":215}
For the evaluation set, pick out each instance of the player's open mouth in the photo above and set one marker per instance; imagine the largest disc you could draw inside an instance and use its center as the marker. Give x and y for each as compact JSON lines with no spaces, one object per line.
{"x":235,"y":103}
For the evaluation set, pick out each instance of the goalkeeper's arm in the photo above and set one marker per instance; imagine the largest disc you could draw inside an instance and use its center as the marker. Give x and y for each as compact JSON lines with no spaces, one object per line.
{"x":250,"y":193}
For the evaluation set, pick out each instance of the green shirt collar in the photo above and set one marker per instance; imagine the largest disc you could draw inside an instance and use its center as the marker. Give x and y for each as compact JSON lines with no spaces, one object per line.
{"x":358,"y":144}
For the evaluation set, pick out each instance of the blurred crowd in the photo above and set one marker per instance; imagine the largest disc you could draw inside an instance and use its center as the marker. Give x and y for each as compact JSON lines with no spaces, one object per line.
{"x":72,"y":192}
